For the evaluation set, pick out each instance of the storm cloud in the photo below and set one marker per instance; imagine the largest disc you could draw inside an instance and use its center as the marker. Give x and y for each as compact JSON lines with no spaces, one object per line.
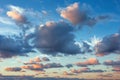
{"x":109,"y":44}
{"x":56,"y":37}
{"x":12,"y":46}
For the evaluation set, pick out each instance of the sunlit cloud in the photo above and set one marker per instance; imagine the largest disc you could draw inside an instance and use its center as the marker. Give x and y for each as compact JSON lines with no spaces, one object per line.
{"x":90,"y":61}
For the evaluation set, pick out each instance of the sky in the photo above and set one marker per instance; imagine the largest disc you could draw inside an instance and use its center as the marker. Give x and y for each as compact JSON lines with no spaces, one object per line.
{"x":60,"y":38}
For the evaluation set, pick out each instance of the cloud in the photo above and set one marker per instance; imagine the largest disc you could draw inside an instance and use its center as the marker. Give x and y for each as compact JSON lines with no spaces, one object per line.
{"x":109,"y":44}
{"x":112,"y":63}
{"x":41,"y":67}
{"x":45,"y":59}
{"x":53,"y":65}
{"x":1,"y":10}
{"x":17,"y":14}
{"x":15,"y":69}
{"x":116,"y":68}
{"x":86,"y":47}
{"x":44,"y":12}
{"x":5,"y":20}
{"x":20,"y":18}
{"x":67,"y":73}
{"x":55,"y":37}
{"x":106,"y":75}
{"x":12,"y":46}
{"x":91,"y":61}
{"x":78,"y":15}
{"x":34,"y":67}
{"x":37,"y":59}
{"x":96,"y":71}
{"x":86,"y":70}
{"x":69,"y":65}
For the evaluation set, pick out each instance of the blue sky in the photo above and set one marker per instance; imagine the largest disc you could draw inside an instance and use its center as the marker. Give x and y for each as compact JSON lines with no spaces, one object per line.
{"x":82,"y":33}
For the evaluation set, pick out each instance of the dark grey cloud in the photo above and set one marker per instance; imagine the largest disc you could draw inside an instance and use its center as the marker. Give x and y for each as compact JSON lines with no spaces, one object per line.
{"x":15,"y":69}
{"x":53,"y":65}
{"x":69,"y":65}
{"x":12,"y":46}
{"x":109,"y":44}
{"x":56,"y":37}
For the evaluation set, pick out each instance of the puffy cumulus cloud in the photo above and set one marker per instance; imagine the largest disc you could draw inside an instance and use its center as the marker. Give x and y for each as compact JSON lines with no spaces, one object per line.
{"x":56,"y":37}
{"x":91,"y":61}
{"x":37,"y":67}
{"x":40,"y":66}
{"x":79,"y":15}
{"x":15,"y":69}
{"x":109,"y":44}
{"x":53,"y":65}
{"x":26,"y":67}
{"x":16,"y":16}
{"x":45,"y":59}
{"x":12,"y":46}
{"x":36,"y":60}
{"x":34,"y":67}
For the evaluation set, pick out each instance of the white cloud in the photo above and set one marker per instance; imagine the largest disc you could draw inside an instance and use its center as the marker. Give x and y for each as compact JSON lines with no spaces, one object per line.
{"x":5,"y":20}
{"x":16,"y":8}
